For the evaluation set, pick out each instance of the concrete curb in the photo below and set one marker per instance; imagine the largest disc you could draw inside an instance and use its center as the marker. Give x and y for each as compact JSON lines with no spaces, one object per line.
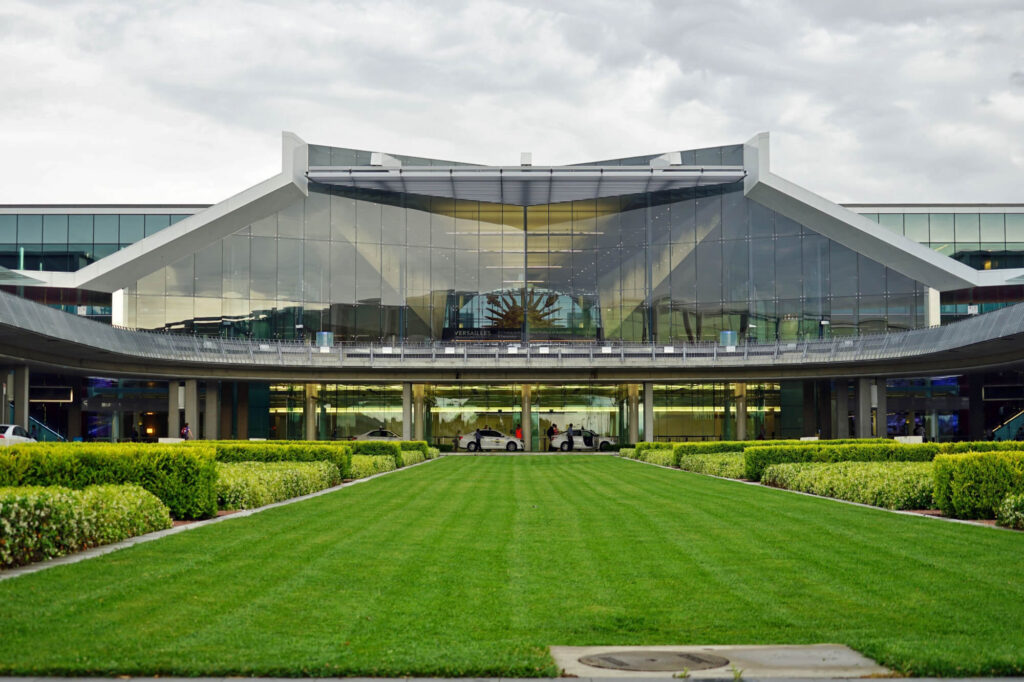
{"x":94,"y":552}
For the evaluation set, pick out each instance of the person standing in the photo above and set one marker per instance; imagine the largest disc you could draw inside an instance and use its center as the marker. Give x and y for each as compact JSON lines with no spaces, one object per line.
{"x":552,"y":430}
{"x":186,"y":432}
{"x":476,"y":437}
{"x":568,"y":437}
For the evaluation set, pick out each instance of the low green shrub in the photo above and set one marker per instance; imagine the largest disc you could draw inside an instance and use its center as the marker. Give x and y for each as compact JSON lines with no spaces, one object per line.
{"x":645,"y":445}
{"x":44,"y":522}
{"x":291,"y":451}
{"x":973,"y":485}
{"x":377,"y":448}
{"x":756,"y":459}
{"x":247,"y":485}
{"x":410,"y":457}
{"x":662,"y":457}
{"x":726,"y":464}
{"x":184,"y":478}
{"x":893,"y":485}
{"x":980,"y":446}
{"x":368,"y":465}
{"x":1011,"y":512}
{"x":420,"y":445}
{"x":433,"y":453}
{"x":628,"y":453}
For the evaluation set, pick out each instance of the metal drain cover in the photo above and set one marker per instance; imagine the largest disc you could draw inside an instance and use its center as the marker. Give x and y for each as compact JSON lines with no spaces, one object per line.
{"x":654,"y":661}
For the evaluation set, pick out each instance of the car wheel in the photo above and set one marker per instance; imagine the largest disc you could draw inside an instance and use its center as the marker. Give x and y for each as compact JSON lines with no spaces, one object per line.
{"x":511,"y":447}
{"x":471,"y":446}
{"x":564,"y":447}
{"x":605,"y":446}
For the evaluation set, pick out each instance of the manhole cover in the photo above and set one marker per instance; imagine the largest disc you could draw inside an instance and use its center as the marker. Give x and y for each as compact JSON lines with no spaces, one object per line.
{"x":654,"y":661}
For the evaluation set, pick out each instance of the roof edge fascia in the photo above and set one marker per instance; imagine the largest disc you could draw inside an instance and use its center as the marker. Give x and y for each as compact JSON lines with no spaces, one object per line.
{"x":856,"y":232}
{"x":125,"y":267}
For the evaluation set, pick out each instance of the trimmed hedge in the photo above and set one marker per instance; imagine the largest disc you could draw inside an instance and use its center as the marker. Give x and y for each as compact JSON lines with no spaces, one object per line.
{"x":756,"y":459}
{"x":420,"y":445}
{"x":410,"y":457}
{"x":184,"y":479}
{"x":981,"y":446}
{"x":338,"y":454}
{"x":893,"y":485}
{"x":378,"y":448}
{"x":40,"y":523}
{"x":1011,"y":512}
{"x":628,"y":453}
{"x":662,"y":457}
{"x":973,"y":485}
{"x":725,"y":464}
{"x":368,"y":465}
{"x":433,"y":453}
{"x":247,"y":485}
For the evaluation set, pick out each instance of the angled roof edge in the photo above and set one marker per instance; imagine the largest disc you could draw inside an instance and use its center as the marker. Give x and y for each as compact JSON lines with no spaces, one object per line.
{"x":856,"y":232}
{"x":144,"y":257}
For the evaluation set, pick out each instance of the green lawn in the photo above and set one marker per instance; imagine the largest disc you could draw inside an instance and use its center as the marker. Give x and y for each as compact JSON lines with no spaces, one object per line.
{"x":474,"y":565}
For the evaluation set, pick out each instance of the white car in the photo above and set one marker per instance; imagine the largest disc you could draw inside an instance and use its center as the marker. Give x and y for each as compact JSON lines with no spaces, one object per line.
{"x":490,"y":440}
{"x":377,"y":434}
{"x":12,"y":434}
{"x":583,"y":439}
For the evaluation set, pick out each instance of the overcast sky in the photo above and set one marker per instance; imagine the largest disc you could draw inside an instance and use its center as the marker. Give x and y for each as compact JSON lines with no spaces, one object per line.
{"x":184,"y":102}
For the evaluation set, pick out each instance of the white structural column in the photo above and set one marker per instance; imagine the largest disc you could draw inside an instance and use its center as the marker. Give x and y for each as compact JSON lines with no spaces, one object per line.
{"x":173,"y":416}
{"x":406,"y":411}
{"x":842,"y":408}
{"x":309,"y":412}
{"x":525,"y":419}
{"x":648,"y":411}
{"x":881,"y":412}
{"x":21,"y":375}
{"x":863,"y":407}
{"x":192,"y":406}
{"x":211,"y":425}
{"x":419,"y":417}
{"x":6,"y":391}
{"x":633,"y":403}
{"x":741,"y":411}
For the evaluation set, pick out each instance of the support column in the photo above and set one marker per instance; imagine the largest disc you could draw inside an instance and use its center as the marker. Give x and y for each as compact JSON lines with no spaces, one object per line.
{"x":882,"y":410}
{"x":649,"y":411}
{"x":975,"y":408}
{"x":741,"y":411}
{"x":525,"y":419}
{"x":211,"y":425}
{"x":309,"y":412}
{"x":173,"y":416}
{"x":808,"y":421}
{"x":842,"y":408}
{"x":862,"y":408}
{"x":6,"y":392}
{"x":633,"y":403}
{"x":406,"y":411}
{"x":911,"y":422}
{"x":419,"y":418}
{"x":20,"y":396}
{"x":192,"y":406}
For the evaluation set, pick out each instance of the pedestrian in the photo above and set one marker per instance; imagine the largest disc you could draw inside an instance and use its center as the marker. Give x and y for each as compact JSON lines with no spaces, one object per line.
{"x":519,"y":431}
{"x":568,"y":437}
{"x":186,"y":432}
{"x":476,"y":437}
{"x":552,"y":430}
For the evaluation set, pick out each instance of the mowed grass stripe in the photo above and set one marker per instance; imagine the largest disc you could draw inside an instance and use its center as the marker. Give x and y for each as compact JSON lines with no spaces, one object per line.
{"x":472,"y":566}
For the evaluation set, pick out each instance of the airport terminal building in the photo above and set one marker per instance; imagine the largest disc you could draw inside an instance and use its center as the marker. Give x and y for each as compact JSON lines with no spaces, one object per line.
{"x":685,"y":295}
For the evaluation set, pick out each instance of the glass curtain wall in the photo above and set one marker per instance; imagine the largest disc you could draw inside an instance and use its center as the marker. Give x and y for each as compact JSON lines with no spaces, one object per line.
{"x":665,"y":267}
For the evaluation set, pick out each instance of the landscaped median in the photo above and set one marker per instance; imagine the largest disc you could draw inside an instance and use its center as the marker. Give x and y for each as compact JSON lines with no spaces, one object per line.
{"x":892,"y":485}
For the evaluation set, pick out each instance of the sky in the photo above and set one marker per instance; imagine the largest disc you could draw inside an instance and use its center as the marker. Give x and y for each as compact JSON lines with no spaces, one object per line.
{"x":184,"y":102}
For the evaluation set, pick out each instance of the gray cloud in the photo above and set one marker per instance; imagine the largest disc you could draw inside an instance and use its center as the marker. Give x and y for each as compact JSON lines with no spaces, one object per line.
{"x":907,"y":101}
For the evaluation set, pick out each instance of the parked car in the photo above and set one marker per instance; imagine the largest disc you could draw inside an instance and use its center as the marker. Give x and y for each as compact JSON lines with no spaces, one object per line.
{"x":583,"y":439}
{"x":377,"y":434}
{"x":12,"y":434}
{"x":490,"y":440}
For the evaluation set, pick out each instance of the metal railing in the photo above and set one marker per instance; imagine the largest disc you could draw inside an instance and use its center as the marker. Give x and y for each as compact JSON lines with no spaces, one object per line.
{"x":21,"y":314}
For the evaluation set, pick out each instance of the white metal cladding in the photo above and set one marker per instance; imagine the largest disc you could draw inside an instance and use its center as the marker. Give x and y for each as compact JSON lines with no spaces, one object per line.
{"x":525,"y":186}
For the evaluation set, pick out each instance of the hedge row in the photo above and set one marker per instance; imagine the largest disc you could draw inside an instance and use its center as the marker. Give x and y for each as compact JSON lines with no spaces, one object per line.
{"x":981,"y":446}
{"x":338,"y":454}
{"x":44,"y":522}
{"x":247,"y":485}
{"x":184,"y":479}
{"x":756,"y":459}
{"x":368,"y":465}
{"x":628,"y":453}
{"x":725,"y":464}
{"x":410,"y":457}
{"x":1011,"y":512}
{"x":974,"y":485}
{"x":893,"y":485}
{"x":662,"y":457}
